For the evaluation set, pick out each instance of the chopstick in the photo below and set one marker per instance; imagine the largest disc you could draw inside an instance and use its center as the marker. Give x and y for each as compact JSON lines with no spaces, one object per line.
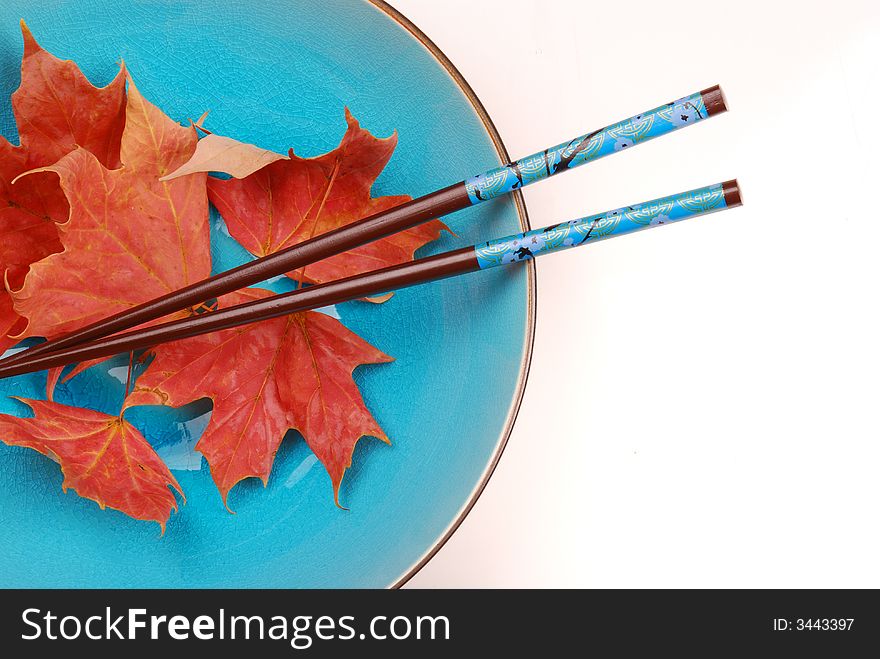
{"x":503,"y":251}
{"x":477,"y":189}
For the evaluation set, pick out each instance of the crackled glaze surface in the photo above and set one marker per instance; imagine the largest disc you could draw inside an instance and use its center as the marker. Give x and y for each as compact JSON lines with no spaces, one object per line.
{"x":278,"y":73}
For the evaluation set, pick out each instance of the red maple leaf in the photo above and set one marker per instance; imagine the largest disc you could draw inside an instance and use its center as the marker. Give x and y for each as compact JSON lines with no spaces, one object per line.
{"x":130,"y":237}
{"x":103,"y":458}
{"x":266,"y":378}
{"x":56,"y":110}
{"x":294,"y":199}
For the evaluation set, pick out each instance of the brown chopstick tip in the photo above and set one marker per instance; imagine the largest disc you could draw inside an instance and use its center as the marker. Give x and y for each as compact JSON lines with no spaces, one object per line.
{"x":732,"y":194}
{"x":714,"y":100}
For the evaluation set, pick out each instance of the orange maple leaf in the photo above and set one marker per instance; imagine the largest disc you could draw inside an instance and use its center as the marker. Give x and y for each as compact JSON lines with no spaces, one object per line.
{"x":56,"y":110}
{"x":129,"y":237}
{"x":103,"y":458}
{"x":292,"y":372}
{"x":294,"y":199}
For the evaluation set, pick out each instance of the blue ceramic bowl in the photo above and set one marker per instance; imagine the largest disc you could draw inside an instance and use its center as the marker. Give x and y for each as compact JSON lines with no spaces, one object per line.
{"x":278,"y":73}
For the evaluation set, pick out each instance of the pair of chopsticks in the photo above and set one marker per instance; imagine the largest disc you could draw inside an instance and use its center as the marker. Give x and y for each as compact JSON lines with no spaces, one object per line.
{"x":101,"y":338}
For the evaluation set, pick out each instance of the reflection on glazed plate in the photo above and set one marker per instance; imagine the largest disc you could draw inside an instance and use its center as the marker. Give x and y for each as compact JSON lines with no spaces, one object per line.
{"x":278,"y":73}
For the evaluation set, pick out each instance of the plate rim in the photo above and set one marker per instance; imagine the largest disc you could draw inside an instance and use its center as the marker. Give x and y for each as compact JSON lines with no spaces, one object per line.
{"x":531,"y":291}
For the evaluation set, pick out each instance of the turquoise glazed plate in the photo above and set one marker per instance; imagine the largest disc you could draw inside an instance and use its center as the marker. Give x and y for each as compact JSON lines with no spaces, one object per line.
{"x":279,"y":73}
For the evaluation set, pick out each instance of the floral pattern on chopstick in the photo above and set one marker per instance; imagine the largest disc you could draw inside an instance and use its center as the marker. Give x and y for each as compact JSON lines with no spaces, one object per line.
{"x":618,"y":137}
{"x":525,"y":246}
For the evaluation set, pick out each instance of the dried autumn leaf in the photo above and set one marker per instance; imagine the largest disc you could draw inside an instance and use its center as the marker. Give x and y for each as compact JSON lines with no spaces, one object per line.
{"x":103,"y":458}
{"x":56,"y":110}
{"x":218,"y":153}
{"x":292,"y":200}
{"x":129,"y":237}
{"x":291,"y":372}
{"x":28,"y":233}
{"x":28,"y":214}
{"x":10,"y":323}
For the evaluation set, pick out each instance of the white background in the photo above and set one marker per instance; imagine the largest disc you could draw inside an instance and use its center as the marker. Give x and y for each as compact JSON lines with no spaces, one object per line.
{"x":702,"y":404}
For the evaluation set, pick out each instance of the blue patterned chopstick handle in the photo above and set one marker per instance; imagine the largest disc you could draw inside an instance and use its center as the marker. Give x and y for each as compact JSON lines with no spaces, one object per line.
{"x":525,"y":246}
{"x":640,"y":128}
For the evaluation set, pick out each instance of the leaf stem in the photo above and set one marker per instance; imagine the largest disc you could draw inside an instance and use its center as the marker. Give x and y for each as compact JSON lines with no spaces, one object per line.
{"x":128,"y":377}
